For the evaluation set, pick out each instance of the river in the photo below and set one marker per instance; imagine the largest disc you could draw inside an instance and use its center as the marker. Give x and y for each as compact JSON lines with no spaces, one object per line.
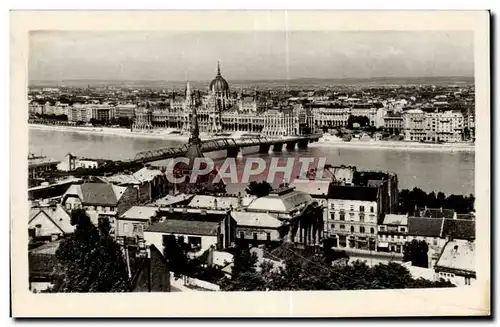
{"x":449,"y":172}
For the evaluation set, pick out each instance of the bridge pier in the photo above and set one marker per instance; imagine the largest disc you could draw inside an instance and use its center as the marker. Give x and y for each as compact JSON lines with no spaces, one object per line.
{"x":233,"y":152}
{"x":277,"y":147}
{"x":264,"y":148}
{"x":290,"y":146}
{"x":303,"y":144}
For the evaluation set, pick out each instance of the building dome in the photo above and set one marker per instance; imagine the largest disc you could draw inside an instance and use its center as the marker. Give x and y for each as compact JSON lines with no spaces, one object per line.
{"x":219,"y":84}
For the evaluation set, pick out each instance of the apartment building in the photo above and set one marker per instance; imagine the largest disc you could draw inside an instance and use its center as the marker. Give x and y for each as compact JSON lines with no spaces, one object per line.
{"x":353,"y":213}
{"x":434,"y":126}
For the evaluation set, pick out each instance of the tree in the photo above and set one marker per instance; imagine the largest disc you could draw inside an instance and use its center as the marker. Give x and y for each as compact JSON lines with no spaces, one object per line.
{"x":307,"y":271}
{"x":90,"y":259}
{"x":408,"y":200}
{"x":244,"y":275}
{"x":416,"y":252}
{"x":259,"y":188}
{"x":175,"y":253}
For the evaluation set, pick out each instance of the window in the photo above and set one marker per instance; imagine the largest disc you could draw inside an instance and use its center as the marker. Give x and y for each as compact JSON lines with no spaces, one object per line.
{"x":352,"y":207}
{"x":332,"y":226}
{"x":332,"y":206}
{"x":352,"y":229}
{"x":268,"y":236}
{"x":361,"y":229}
{"x":372,"y":209}
{"x":32,"y":233}
{"x":382,"y":228}
{"x":180,"y":239}
{"x":195,"y":242}
{"x":342,"y":216}
{"x":138,"y":228}
{"x":361,"y":217}
{"x":342,"y":227}
{"x":372,"y":230}
{"x":332,"y":216}
{"x":255,"y":236}
{"x":434,"y":241}
{"x":362,"y":208}
{"x":402,"y":229}
{"x":242,"y":235}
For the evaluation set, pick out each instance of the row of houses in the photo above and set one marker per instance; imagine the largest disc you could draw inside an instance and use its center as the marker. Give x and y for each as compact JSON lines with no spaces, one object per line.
{"x":84,"y":112}
{"x":355,"y":209}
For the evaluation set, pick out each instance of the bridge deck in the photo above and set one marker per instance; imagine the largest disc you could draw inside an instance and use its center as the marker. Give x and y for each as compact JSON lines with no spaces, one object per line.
{"x":217,"y":144}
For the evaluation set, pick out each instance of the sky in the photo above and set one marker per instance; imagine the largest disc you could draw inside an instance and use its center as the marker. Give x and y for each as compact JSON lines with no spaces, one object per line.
{"x":169,"y":56}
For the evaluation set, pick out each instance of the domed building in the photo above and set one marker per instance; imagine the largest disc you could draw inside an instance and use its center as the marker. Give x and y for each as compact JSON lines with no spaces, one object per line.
{"x":219,"y":89}
{"x":218,"y":112}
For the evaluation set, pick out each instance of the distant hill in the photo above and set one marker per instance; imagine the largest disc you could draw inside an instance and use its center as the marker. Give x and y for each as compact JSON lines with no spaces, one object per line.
{"x":299,"y":82}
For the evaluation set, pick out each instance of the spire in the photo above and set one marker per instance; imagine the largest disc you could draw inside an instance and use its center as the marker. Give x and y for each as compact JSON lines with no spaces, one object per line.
{"x":195,"y":131}
{"x":188,"y":90}
{"x":218,"y":68}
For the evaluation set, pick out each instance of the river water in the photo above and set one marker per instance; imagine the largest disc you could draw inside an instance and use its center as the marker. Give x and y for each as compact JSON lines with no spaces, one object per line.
{"x":448,"y":172}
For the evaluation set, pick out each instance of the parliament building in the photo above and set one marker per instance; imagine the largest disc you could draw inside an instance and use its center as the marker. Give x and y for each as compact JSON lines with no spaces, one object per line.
{"x":218,"y":112}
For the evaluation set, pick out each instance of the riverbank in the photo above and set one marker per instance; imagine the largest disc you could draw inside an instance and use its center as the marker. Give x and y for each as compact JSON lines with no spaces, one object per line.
{"x":114,"y":131}
{"x":166,"y":134}
{"x":395,"y":145}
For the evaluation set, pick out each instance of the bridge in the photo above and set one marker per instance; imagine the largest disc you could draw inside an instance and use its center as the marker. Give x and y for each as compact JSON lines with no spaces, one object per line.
{"x":232,"y":146}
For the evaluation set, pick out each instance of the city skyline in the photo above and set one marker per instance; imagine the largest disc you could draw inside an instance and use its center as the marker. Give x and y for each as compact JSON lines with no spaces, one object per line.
{"x":57,"y":55}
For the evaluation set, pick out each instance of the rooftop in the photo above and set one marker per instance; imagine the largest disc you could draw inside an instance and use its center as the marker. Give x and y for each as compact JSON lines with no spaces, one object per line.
{"x":392,"y":219}
{"x":459,"y":255}
{"x":147,"y":174}
{"x":255,"y":219}
{"x":210,"y":201}
{"x":103,"y":194}
{"x":436,"y":213}
{"x":121,"y":179}
{"x":425,"y":226}
{"x":195,"y":214}
{"x":313,"y":187}
{"x":57,"y":214}
{"x":282,"y":202}
{"x":459,"y":229}
{"x":41,"y":161}
{"x":187,"y":227}
{"x":174,"y":199}
{"x":140,"y":213}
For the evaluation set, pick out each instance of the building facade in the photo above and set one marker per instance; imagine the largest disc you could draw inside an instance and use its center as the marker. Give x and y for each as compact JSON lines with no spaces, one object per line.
{"x":445,"y":126}
{"x":218,"y":112}
{"x":392,"y":233}
{"x":353,"y":212}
